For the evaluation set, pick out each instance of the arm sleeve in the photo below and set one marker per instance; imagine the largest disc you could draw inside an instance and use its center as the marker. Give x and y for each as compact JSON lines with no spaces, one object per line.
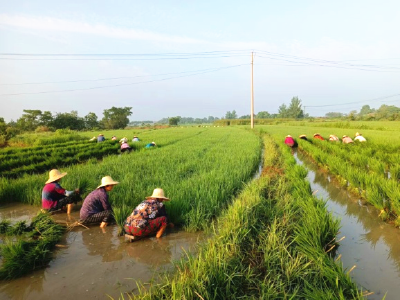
{"x":104,"y":201}
{"x":58,"y":189}
{"x":162,"y":212}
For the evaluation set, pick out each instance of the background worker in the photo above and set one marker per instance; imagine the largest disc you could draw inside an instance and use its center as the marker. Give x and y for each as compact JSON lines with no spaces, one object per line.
{"x":303,"y":137}
{"x":95,"y":207}
{"x":318,"y":137}
{"x":135,"y":139}
{"x":152,"y":144}
{"x":149,"y":217}
{"x":346,"y":139}
{"x":54,"y":197}
{"x":123,"y":140}
{"x":100,"y":138}
{"x":290,"y":141}
{"x":359,"y":137}
{"x":333,"y":138}
{"x":125,"y":147}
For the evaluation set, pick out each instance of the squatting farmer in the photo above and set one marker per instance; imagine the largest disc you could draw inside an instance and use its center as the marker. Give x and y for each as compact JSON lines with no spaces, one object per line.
{"x":149,"y":217}
{"x":54,"y":197}
{"x":290,"y":141}
{"x":95,"y":207}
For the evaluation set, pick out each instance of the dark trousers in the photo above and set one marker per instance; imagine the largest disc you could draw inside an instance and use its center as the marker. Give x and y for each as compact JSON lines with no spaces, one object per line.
{"x":74,"y":198}
{"x":103,"y":216}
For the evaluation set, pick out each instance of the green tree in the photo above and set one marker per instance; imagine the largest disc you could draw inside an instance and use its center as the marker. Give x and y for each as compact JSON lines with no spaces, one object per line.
{"x":68,"y":120}
{"x":334,"y":115}
{"x":294,"y":110}
{"x":174,"y":121}
{"x":389,"y":112}
{"x":91,"y":121}
{"x":46,"y":118}
{"x":3,"y":126}
{"x":231,"y":115}
{"x":116,"y":117}
{"x":263,"y":115}
{"x":283,"y":111}
{"x":365,"y":110}
{"x":29,"y":120}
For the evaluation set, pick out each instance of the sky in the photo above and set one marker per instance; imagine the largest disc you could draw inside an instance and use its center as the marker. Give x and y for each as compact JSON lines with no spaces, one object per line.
{"x":193,"y":58}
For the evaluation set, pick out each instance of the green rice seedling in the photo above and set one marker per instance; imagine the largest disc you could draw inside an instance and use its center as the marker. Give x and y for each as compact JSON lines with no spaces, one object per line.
{"x":4,"y":226}
{"x":18,"y":228}
{"x":395,"y":172}
{"x":120,"y":213}
{"x":23,"y":254}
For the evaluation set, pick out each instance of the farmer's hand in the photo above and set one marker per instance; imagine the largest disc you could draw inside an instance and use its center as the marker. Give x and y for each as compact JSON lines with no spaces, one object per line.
{"x":77,"y":191}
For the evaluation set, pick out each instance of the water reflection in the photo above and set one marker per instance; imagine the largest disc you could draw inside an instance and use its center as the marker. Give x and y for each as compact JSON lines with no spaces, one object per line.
{"x":370,"y":243}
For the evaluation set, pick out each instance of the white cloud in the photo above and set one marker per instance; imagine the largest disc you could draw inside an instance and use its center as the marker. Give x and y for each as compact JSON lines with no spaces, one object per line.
{"x":50,"y":24}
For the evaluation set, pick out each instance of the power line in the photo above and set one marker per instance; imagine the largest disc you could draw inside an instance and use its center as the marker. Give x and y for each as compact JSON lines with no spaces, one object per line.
{"x":117,"y":85}
{"x":376,"y":99}
{"x":116,"y":78}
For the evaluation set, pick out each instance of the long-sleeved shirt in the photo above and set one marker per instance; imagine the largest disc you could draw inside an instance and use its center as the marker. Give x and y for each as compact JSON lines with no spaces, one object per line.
{"x":51,"y":193}
{"x":290,"y":141}
{"x":148,"y":209}
{"x":95,"y":202}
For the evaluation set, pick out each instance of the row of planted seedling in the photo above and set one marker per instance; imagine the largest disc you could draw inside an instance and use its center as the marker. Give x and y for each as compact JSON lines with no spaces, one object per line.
{"x":42,"y":162}
{"x":384,"y":194}
{"x":200,"y":170}
{"x":369,"y":159}
{"x":275,"y":241}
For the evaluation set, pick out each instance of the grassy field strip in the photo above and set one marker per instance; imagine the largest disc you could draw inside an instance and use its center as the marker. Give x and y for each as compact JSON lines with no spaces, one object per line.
{"x":270,"y":243}
{"x":201,"y":170}
{"x":14,"y":166}
{"x":382,"y":193}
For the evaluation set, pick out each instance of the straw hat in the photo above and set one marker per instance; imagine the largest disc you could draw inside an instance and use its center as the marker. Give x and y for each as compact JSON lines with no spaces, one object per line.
{"x":302,"y":135}
{"x":344,"y":136}
{"x":55,"y":175}
{"x":288,"y":135}
{"x":107,"y":180}
{"x":159,"y":194}
{"x":153,"y":143}
{"x":100,"y":134}
{"x":357,"y":134}
{"x":316,"y":134}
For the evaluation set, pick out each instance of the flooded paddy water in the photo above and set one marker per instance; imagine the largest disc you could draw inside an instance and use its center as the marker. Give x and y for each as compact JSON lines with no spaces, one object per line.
{"x":94,"y":263}
{"x":370,"y":243}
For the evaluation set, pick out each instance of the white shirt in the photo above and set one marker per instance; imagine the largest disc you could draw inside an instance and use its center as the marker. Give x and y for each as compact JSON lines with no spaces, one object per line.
{"x":360,"y":138}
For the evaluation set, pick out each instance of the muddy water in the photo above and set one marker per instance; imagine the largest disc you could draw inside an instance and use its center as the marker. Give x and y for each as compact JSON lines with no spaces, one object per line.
{"x":370,"y":244}
{"x":94,"y":263}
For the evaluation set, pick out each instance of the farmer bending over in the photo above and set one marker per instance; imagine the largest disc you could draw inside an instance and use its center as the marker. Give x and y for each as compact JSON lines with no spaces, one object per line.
{"x":359,"y":137}
{"x":54,"y":197}
{"x":346,"y":139}
{"x":318,"y":137}
{"x":149,"y":217}
{"x":95,"y":207}
{"x":290,"y":141}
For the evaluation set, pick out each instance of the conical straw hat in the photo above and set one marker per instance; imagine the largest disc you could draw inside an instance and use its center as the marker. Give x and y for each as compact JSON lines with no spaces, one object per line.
{"x":55,"y":175}
{"x":107,"y":180}
{"x":159,"y":194}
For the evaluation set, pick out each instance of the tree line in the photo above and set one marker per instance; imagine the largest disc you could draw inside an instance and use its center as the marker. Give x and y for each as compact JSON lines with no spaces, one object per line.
{"x":366,"y":113}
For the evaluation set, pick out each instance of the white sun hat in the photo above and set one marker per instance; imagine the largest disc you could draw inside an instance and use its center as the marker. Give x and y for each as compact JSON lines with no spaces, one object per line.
{"x":159,"y":194}
{"x":55,"y":175}
{"x":107,"y":180}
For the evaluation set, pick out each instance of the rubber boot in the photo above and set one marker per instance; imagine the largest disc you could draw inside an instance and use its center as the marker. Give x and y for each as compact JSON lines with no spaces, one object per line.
{"x":69,"y":208}
{"x":160,"y":232}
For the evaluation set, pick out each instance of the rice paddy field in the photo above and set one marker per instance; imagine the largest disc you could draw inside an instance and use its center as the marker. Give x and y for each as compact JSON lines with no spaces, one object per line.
{"x":267,"y":236}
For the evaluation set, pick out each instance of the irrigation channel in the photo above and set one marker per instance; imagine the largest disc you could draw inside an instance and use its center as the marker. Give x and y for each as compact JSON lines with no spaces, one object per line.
{"x":370,"y":243}
{"x":94,"y":263}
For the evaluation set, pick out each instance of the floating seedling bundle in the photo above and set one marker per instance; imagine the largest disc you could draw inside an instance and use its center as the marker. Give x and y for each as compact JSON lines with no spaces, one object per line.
{"x":26,"y":248}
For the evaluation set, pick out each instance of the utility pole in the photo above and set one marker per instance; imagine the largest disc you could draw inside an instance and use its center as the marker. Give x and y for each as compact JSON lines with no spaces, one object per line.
{"x":252,"y":95}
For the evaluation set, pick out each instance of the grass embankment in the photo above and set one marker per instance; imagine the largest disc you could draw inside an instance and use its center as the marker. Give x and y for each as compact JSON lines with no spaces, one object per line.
{"x":273,"y":242}
{"x":200,"y":169}
{"x":26,"y":248}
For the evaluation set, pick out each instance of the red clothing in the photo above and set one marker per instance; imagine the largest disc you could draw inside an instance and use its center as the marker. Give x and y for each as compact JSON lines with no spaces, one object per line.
{"x":52,"y":192}
{"x":319,"y":137}
{"x":289,"y":141}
